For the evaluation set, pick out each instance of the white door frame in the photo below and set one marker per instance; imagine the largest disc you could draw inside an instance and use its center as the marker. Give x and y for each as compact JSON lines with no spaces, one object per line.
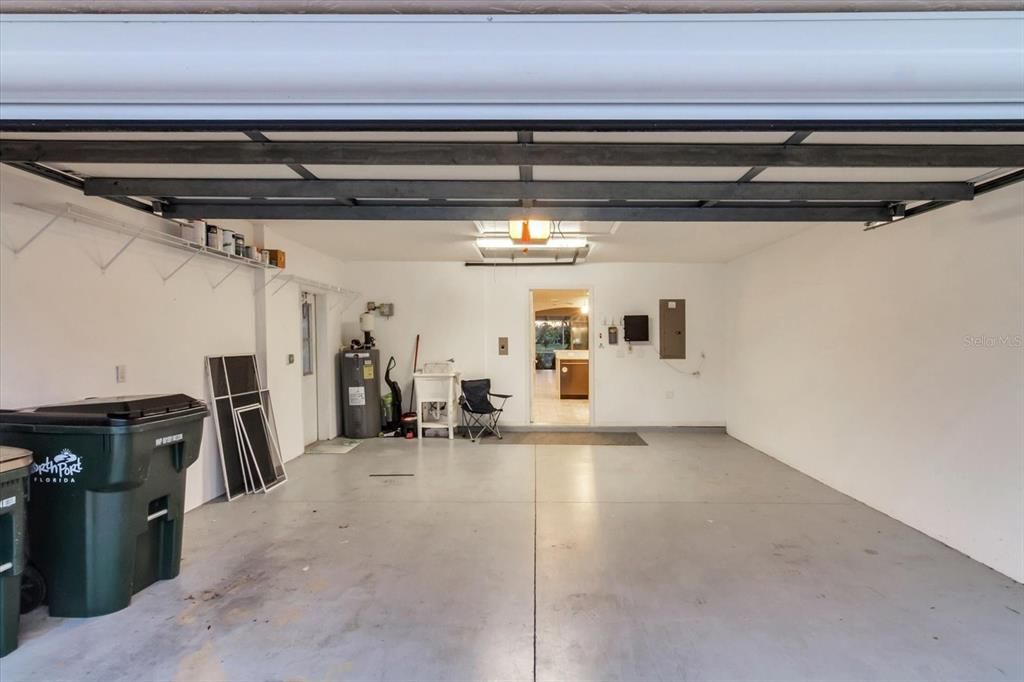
{"x":531,"y":337}
{"x":313,"y":300}
{"x":326,"y":372}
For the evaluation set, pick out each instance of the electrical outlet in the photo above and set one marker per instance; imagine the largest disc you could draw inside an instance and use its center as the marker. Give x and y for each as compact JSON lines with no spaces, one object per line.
{"x":291,"y":358}
{"x":121,"y":373}
{"x":502,"y":345}
{"x":669,"y":395}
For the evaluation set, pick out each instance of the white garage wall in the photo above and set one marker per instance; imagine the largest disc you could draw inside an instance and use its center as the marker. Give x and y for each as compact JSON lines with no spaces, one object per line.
{"x":889,"y":365}
{"x":64,"y":325}
{"x":460,"y":313}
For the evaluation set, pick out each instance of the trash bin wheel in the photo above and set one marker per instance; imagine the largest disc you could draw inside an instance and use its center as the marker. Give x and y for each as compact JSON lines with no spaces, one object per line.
{"x":33,"y":589}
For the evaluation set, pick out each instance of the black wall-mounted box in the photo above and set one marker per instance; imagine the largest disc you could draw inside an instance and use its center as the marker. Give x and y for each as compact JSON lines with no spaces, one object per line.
{"x":636,"y":328}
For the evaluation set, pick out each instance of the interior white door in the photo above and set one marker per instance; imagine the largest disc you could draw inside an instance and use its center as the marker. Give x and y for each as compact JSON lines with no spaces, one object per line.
{"x":310,"y":426}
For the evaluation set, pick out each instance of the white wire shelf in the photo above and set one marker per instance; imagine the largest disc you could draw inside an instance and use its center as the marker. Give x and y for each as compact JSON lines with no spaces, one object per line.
{"x":346,"y":296}
{"x":137,"y":232}
{"x":153,"y":235}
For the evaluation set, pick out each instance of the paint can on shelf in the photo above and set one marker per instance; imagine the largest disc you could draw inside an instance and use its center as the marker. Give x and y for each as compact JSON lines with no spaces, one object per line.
{"x":194,"y":231}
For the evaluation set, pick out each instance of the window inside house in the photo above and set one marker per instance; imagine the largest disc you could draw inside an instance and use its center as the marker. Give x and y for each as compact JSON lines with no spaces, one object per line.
{"x":558,"y":332}
{"x":551,"y":334}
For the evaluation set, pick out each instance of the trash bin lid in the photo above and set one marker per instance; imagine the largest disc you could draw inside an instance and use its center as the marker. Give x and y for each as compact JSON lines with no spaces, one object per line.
{"x":13,"y":458}
{"x":119,"y":409}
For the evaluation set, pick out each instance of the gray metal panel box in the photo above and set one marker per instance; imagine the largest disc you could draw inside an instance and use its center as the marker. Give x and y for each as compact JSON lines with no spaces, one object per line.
{"x":360,"y":393}
{"x":672,"y":328}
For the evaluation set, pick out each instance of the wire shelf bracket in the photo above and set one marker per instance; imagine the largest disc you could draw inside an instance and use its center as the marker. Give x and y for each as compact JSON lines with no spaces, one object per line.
{"x":38,"y":233}
{"x":225,"y":277}
{"x":178,"y":269}
{"x":346,"y":296}
{"x":104,"y":267}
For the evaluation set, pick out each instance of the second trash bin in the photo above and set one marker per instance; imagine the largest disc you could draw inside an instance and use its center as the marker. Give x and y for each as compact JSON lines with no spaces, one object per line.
{"x":14,"y":468}
{"x":108,"y":489}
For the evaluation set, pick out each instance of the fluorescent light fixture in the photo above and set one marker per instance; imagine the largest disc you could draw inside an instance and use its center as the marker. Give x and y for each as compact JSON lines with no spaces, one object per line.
{"x":553,"y":243}
{"x":500,"y":227}
{"x":529,"y":231}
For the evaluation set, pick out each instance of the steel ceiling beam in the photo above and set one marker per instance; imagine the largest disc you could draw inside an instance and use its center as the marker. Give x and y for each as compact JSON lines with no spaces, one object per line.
{"x":795,"y":138}
{"x":69,"y":180}
{"x":525,"y":172}
{"x":510,"y":154}
{"x":294,"y":211}
{"x":531,"y":190}
{"x":507,"y":125}
{"x":979,"y":190}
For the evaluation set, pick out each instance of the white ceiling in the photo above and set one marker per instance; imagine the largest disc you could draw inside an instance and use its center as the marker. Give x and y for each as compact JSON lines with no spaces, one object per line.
{"x":822,"y":174}
{"x":626,"y":242}
{"x":393,"y":136}
{"x":638,"y":173}
{"x":916,"y":138}
{"x":228,"y":136}
{"x":416,"y":172}
{"x":178,"y":170}
{"x":757,"y":137}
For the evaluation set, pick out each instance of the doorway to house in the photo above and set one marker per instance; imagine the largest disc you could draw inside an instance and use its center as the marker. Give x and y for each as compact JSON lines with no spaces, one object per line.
{"x":310,"y":405}
{"x":560,"y":368}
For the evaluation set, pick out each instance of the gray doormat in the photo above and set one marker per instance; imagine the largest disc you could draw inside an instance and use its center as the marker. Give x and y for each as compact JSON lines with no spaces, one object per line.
{"x":570,"y":438}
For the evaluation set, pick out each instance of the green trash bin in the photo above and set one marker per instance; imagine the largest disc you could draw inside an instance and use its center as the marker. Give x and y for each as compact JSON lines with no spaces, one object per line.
{"x":14,"y":467}
{"x":108,"y":487}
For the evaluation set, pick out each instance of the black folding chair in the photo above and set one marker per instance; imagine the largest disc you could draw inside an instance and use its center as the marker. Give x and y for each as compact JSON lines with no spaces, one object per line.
{"x":478,"y":412}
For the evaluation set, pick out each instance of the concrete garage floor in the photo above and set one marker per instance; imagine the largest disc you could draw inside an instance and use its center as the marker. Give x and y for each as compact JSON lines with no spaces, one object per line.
{"x":695,"y":558}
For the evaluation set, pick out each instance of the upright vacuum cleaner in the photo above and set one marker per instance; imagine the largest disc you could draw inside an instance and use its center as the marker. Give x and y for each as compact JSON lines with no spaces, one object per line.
{"x":395,"y":418}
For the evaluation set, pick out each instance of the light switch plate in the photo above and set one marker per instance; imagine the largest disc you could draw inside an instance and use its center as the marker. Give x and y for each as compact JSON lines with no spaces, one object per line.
{"x":502,"y":345}
{"x":121,"y":373}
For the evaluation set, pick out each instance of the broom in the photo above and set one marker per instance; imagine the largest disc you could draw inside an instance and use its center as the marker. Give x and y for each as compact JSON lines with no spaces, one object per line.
{"x":415,"y":361}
